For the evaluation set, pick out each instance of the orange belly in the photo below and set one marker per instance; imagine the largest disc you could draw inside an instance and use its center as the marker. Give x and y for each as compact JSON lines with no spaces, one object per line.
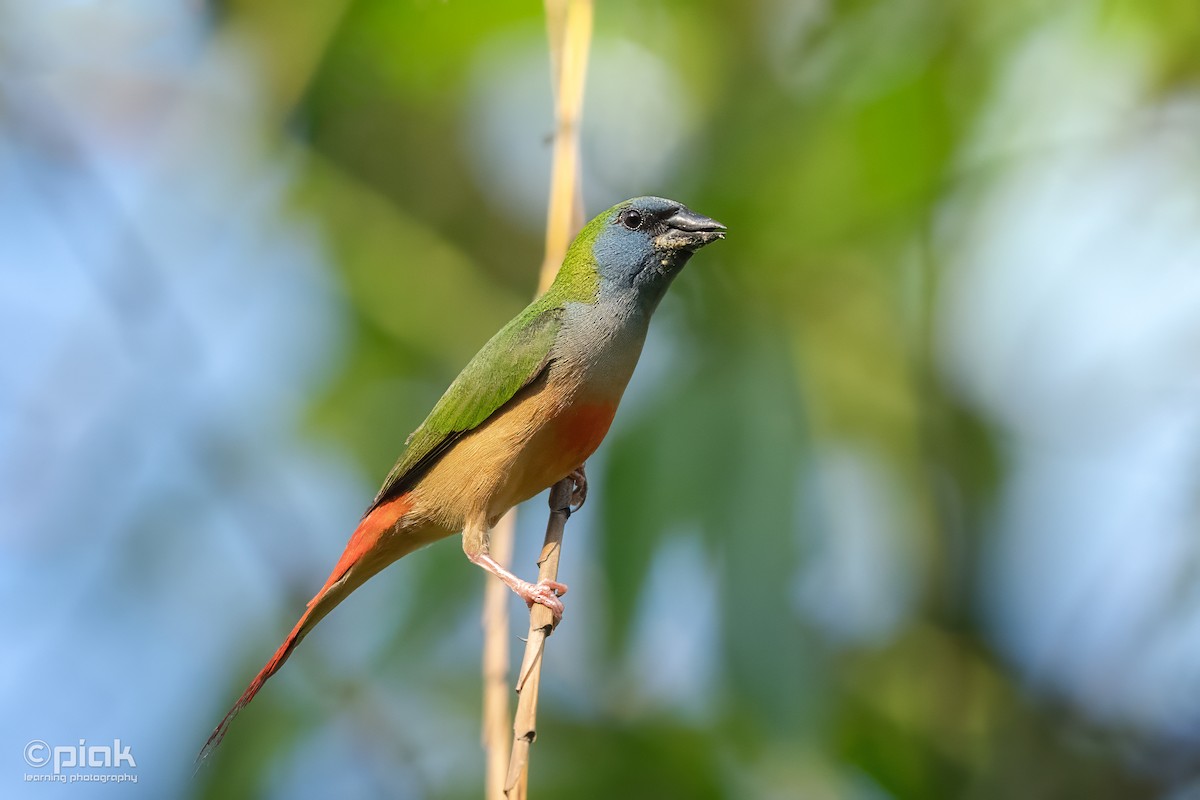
{"x":526,"y":448}
{"x":568,"y":439}
{"x":581,"y":428}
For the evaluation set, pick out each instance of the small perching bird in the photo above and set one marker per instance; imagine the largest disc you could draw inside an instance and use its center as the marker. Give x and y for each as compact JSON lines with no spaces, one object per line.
{"x":525,"y":413}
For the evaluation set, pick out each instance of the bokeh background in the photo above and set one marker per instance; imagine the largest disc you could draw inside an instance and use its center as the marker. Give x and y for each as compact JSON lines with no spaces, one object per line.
{"x":901,"y":503}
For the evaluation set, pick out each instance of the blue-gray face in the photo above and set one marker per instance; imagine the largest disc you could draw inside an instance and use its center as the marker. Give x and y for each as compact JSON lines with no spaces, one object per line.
{"x":647,"y":240}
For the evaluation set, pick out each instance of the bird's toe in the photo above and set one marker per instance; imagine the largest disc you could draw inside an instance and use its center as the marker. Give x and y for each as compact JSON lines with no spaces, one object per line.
{"x":579,"y":491}
{"x":546,"y":593}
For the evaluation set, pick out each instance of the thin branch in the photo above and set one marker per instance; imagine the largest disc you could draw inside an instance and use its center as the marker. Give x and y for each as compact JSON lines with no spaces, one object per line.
{"x":541,"y":625}
{"x":496,"y":737}
{"x":569,"y":30}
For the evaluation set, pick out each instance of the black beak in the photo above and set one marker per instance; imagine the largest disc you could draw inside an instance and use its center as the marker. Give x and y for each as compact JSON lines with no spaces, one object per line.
{"x":687,"y":220}
{"x":691,"y":230}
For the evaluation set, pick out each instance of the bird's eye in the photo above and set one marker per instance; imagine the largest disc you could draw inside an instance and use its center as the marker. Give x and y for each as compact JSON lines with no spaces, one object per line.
{"x":631,"y":219}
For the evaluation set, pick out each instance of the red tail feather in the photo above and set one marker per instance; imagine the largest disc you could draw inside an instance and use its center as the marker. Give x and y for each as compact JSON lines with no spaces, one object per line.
{"x":351,"y":571}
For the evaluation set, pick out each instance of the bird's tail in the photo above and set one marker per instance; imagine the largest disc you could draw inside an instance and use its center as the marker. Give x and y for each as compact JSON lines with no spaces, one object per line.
{"x":361,"y":559}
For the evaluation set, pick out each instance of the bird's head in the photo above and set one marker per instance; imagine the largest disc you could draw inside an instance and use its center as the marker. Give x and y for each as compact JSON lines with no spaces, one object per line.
{"x":640,"y":245}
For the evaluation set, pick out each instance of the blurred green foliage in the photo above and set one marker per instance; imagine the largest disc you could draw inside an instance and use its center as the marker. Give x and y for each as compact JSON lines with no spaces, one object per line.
{"x":830,"y":132}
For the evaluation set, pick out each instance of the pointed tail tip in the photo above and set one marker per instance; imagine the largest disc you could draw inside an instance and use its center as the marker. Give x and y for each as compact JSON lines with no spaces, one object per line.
{"x":272,"y":666}
{"x":364,"y":539}
{"x":214,"y":738}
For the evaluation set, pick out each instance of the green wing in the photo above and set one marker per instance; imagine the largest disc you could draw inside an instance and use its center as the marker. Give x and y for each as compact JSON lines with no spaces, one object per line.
{"x":510,"y":361}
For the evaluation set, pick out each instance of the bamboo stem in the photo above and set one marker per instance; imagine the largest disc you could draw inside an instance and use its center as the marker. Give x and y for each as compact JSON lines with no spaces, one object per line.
{"x":541,"y":625}
{"x":496,"y":736}
{"x":569,"y":30}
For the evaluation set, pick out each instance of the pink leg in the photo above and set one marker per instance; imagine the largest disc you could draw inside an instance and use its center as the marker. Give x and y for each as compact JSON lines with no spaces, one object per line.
{"x":544,"y":592}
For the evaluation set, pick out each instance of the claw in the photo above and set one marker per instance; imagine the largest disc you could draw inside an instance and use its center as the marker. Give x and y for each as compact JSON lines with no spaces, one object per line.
{"x":546,"y":593}
{"x":579,"y":493}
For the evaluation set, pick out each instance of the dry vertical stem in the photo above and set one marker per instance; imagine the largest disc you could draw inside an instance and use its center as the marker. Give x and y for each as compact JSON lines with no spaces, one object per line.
{"x":569,"y":29}
{"x":496,"y":731}
{"x":541,"y":625}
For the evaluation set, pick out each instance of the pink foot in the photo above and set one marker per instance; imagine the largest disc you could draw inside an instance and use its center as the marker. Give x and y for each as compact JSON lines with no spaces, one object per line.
{"x":544,"y":592}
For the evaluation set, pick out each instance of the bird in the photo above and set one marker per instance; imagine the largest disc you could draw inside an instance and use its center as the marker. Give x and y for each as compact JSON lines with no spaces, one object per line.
{"x":525,"y":413}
